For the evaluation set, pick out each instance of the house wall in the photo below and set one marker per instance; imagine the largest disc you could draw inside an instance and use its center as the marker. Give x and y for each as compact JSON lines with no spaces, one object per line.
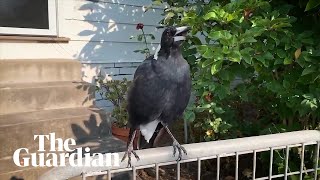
{"x":99,"y":33}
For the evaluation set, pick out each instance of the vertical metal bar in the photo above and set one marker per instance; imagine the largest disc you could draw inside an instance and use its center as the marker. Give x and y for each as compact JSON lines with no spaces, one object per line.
{"x":286,"y":163}
{"x":271,"y":162}
{"x":316,"y":163}
{"x":199,"y":169}
{"x":178,"y":170}
{"x":157,"y":171}
{"x":185,"y":131}
{"x":134,"y":173}
{"x":109,"y":174}
{"x":218,"y":166}
{"x":302,"y":161}
{"x":237,"y":166}
{"x":254,"y":165}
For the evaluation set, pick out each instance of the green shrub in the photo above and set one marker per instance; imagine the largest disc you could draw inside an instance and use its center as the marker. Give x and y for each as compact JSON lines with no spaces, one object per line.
{"x":255,"y":66}
{"x":275,"y":61}
{"x":115,"y":91}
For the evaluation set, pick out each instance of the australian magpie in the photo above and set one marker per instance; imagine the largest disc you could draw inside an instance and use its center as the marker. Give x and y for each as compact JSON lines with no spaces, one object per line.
{"x":160,"y":91}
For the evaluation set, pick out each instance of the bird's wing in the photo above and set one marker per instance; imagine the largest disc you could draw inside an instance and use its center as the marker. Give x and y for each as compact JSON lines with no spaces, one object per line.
{"x":148,"y":94}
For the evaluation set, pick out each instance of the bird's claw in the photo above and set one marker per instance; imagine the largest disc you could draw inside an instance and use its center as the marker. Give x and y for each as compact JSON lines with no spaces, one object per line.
{"x":128,"y":153}
{"x":177,"y":146}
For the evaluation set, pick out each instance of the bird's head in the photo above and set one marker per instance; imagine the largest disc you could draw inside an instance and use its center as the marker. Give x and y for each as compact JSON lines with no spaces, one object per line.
{"x":174,"y":36}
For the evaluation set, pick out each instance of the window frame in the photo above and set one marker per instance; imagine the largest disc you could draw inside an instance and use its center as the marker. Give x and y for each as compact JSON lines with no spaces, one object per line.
{"x":52,"y":31}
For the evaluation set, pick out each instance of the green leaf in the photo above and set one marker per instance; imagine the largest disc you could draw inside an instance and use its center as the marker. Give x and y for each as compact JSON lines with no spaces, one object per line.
{"x":216,"y":67}
{"x":226,"y":75}
{"x":268,"y":55}
{"x":189,"y":116}
{"x":247,"y":58}
{"x":219,"y":110}
{"x":206,"y":106}
{"x":208,"y":54}
{"x":231,"y":17}
{"x":287,"y":61}
{"x":207,"y":62}
{"x":310,"y":104}
{"x":222,"y":91}
{"x":312,"y":4}
{"x":157,"y":2}
{"x":139,"y":37}
{"x":168,"y":16}
{"x":152,"y":36}
{"x":195,"y":40}
{"x":262,"y":60}
{"x":220,"y":34}
{"x":225,"y":50}
{"x":308,"y":41}
{"x":281,"y":53}
{"x":246,"y":55}
{"x":235,"y":56}
{"x":275,"y":86}
{"x":278,"y":61}
{"x":249,"y":39}
{"x":210,"y":15}
{"x":202,"y":49}
{"x":308,"y":70}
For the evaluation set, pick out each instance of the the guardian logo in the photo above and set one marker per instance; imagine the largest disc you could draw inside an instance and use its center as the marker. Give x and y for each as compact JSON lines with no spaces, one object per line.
{"x":58,"y":153}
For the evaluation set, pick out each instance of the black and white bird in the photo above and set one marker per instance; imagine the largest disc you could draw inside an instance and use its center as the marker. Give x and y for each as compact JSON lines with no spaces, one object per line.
{"x":160,"y":91}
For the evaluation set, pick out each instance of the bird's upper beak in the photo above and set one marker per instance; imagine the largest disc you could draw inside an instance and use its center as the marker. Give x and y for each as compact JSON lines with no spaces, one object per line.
{"x":181,"y":33}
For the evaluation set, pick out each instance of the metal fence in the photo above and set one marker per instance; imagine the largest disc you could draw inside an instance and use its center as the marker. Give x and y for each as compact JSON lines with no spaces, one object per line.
{"x":198,"y":152}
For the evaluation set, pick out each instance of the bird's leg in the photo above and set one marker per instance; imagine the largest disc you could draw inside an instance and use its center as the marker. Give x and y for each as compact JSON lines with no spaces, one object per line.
{"x":130,"y":150}
{"x":176,"y":145}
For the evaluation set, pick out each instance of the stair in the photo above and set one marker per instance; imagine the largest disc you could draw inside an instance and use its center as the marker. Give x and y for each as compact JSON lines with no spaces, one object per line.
{"x":39,"y":70}
{"x":46,"y":96}
{"x":26,"y":97}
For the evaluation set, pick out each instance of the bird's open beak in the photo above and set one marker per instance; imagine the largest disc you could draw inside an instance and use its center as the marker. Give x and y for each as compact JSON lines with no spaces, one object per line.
{"x":181,"y":33}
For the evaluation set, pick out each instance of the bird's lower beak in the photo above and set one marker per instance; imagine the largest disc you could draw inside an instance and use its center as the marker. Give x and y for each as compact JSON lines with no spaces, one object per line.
{"x":181,"y":33}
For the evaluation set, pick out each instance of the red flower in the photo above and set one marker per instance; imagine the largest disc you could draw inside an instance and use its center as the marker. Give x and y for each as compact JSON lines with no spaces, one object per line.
{"x":139,"y":26}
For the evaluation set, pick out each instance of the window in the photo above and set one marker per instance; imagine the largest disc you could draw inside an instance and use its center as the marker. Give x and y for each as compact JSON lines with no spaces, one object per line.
{"x":28,"y":17}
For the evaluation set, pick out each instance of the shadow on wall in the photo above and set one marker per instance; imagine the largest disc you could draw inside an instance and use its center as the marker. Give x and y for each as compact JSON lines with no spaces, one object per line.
{"x":111,"y":25}
{"x":109,"y":49}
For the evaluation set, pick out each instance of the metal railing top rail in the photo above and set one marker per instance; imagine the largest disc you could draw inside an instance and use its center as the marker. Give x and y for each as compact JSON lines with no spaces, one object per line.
{"x":196,"y":152}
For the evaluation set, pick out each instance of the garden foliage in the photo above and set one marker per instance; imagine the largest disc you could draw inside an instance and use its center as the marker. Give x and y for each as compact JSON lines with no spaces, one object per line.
{"x":114,"y":91}
{"x":255,"y":65}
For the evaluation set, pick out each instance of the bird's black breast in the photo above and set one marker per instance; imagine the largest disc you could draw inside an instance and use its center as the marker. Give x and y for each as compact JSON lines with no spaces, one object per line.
{"x":160,"y":90}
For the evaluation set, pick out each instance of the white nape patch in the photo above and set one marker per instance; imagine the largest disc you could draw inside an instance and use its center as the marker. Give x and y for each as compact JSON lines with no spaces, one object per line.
{"x":179,"y":38}
{"x":147,"y":130}
{"x":155,"y":56}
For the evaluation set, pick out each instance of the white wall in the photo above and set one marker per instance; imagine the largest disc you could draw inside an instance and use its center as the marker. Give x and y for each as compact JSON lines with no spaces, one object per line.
{"x":99,"y":33}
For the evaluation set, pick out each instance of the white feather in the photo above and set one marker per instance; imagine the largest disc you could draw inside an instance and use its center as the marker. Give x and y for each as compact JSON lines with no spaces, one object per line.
{"x":156,"y":53}
{"x":147,"y":130}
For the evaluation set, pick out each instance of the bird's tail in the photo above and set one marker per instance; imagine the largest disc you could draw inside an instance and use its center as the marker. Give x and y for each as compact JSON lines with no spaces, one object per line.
{"x":143,"y":144}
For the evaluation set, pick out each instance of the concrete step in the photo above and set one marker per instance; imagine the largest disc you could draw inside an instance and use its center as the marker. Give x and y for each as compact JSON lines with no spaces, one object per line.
{"x":8,"y":169}
{"x":18,"y":130}
{"x":39,"y":70}
{"x":26,"y":97}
